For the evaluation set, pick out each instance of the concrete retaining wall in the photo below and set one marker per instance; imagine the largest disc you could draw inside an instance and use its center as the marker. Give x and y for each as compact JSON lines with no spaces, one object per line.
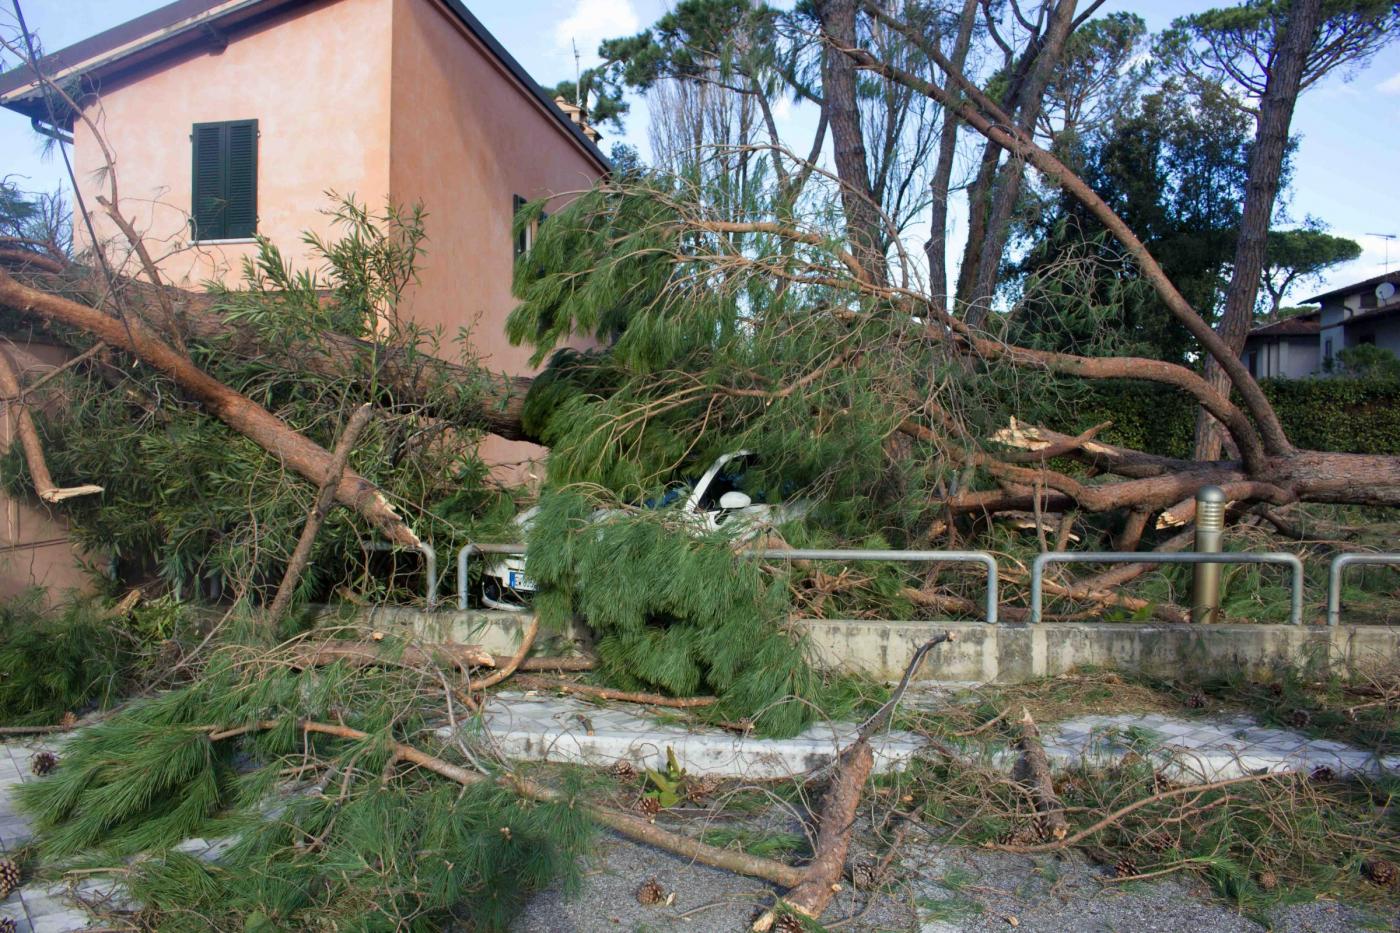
{"x":1003,"y":653}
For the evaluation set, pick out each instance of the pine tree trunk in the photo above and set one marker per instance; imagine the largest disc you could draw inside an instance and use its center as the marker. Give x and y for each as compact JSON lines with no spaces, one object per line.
{"x":1261,"y":190}
{"x":936,"y":249}
{"x":1030,"y":101}
{"x":864,"y":227}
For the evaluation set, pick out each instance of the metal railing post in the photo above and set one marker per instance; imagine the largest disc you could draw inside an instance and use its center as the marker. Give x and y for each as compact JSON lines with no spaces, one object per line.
{"x":1210,"y":530}
{"x":429,"y":564}
{"x":1334,"y":578}
{"x":1117,"y":557}
{"x":465,"y":554}
{"x":964,"y":557}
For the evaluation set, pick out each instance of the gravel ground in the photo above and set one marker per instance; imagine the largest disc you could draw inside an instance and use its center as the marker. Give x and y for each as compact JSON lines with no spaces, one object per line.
{"x":940,"y":891}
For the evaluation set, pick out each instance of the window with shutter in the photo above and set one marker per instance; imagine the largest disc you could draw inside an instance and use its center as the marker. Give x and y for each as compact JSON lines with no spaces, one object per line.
{"x":224,"y":200}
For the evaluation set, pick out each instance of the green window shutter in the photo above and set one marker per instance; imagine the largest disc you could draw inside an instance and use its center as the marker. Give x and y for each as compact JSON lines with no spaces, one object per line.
{"x":207,"y":200}
{"x":241,"y":200}
{"x":224,"y":200}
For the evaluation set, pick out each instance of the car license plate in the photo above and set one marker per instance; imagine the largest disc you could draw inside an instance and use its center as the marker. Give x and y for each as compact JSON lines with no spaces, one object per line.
{"x":517,"y":580}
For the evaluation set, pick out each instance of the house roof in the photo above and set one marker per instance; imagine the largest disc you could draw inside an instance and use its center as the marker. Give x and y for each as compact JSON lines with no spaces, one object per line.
{"x":1362,"y":286}
{"x":1302,"y":325}
{"x":156,"y":38}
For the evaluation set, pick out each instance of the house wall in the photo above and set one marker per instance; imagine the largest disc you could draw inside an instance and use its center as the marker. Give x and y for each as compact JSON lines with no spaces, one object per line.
{"x":34,"y":545}
{"x":1298,"y":357}
{"x":317,"y":81}
{"x":465,"y":138}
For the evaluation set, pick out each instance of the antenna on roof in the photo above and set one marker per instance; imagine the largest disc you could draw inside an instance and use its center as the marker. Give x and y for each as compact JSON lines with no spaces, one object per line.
{"x":1387,"y":237}
{"x":578,"y":76}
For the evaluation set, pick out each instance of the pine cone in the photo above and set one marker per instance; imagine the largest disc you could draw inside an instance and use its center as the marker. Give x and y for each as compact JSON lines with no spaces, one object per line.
{"x":1300,"y":718}
{"x":1158,"y":840}
{"x":1322,"y":773}
{"x":1196,"y":700}
{"x":8,"y":925}
{"x":697,"y":789}
{"x":9,"y":877}
{"x":43,"y":763}
{"x":1268,"y":880}
{"x":1125,"y":868}
{"x":649,"y":806}
{"x":1027,"y":835}
{"x":1379,"y":871}
{"x":68,"y":720}
{"x":789,"y":923}
{"x":650,"y":893}
{"x":865,"y":874}
{"x":622,"y":770}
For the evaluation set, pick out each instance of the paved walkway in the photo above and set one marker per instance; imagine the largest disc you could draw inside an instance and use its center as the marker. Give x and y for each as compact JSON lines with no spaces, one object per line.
{"x":40,"y":908}
{"x":563,"y":729}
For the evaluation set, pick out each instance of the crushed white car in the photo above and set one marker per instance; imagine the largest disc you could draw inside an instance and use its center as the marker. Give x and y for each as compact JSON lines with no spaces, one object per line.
{"x":716,"y":500}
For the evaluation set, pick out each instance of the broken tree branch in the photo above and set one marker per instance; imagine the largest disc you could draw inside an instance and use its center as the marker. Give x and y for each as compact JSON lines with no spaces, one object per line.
{"x":821,"y":879}
{"x":1034,"y":768}
{"x":533,"y":682}
{"x":365,"y":654}
{"x":527,"y":641}
{"x":325,"y":498}
{"x":630,"y":826}
{"x":23,"y":423}
{"x":245,"y":416}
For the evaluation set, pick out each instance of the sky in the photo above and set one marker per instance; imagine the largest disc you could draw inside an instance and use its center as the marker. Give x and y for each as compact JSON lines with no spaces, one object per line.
{"x":1346,"y":172}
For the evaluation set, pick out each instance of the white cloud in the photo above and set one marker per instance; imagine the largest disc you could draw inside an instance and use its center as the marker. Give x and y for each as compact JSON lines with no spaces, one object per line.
{"x":1390,"y":85}
{"x":1377,"y":256}
{"x":591,"y":22}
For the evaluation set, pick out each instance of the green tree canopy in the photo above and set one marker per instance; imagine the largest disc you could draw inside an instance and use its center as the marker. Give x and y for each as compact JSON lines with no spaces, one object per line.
{"x":1296,"y":257}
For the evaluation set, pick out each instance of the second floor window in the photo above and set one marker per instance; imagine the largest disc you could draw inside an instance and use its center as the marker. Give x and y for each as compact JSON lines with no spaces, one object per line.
{"x":224,"y":200}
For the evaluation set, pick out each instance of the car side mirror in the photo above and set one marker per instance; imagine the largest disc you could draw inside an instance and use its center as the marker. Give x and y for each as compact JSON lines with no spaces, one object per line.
{"x":734,"y":500}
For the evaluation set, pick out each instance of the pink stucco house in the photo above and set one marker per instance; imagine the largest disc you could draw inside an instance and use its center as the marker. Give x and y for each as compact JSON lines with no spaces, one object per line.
{"x":229,"y":118}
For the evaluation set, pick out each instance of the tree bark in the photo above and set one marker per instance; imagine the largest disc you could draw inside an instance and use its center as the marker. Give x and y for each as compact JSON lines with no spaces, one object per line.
{"x":936,"y":249}
{"x":265,"y":429}
{"x":1261,"y":191}
{"x":1033,"y":769}
{"x":864,"y":227}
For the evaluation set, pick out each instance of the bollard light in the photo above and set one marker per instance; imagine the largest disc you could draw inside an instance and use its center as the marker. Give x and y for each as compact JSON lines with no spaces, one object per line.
{"x":1210,"y":529}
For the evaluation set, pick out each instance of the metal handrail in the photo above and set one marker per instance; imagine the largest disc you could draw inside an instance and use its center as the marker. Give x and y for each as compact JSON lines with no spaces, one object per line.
{"x":965,"y":557}
{"x":429,"y":560}
{"x":1188,"y":557}
{"x":1334,"y":578}
{"x":979,"y":557}
{"x":465,"y":554}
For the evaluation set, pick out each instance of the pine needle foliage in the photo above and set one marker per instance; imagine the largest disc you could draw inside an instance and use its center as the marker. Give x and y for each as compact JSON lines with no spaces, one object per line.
{"x":359,"y":844}
{"x":210,"y":512}
{"x":59,"y":660}
{"x":678,"y":613}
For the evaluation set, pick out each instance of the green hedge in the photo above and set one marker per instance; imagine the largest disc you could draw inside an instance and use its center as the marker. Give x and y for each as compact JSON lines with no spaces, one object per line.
{"x":1345,"y":415}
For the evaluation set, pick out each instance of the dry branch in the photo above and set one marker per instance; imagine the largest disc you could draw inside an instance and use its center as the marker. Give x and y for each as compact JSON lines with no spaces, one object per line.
{"x":325,"y":498}
{"x":245,"y":416}
{"x":532,"y":682}
{"x":23,"y":423}
{"x":1034,"y":768}
{"x":822,"y":878}
{"x":365,"y":654}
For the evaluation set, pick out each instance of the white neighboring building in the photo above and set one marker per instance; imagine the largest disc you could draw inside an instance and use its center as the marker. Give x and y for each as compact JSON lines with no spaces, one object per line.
{"x":1367,"y":312}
